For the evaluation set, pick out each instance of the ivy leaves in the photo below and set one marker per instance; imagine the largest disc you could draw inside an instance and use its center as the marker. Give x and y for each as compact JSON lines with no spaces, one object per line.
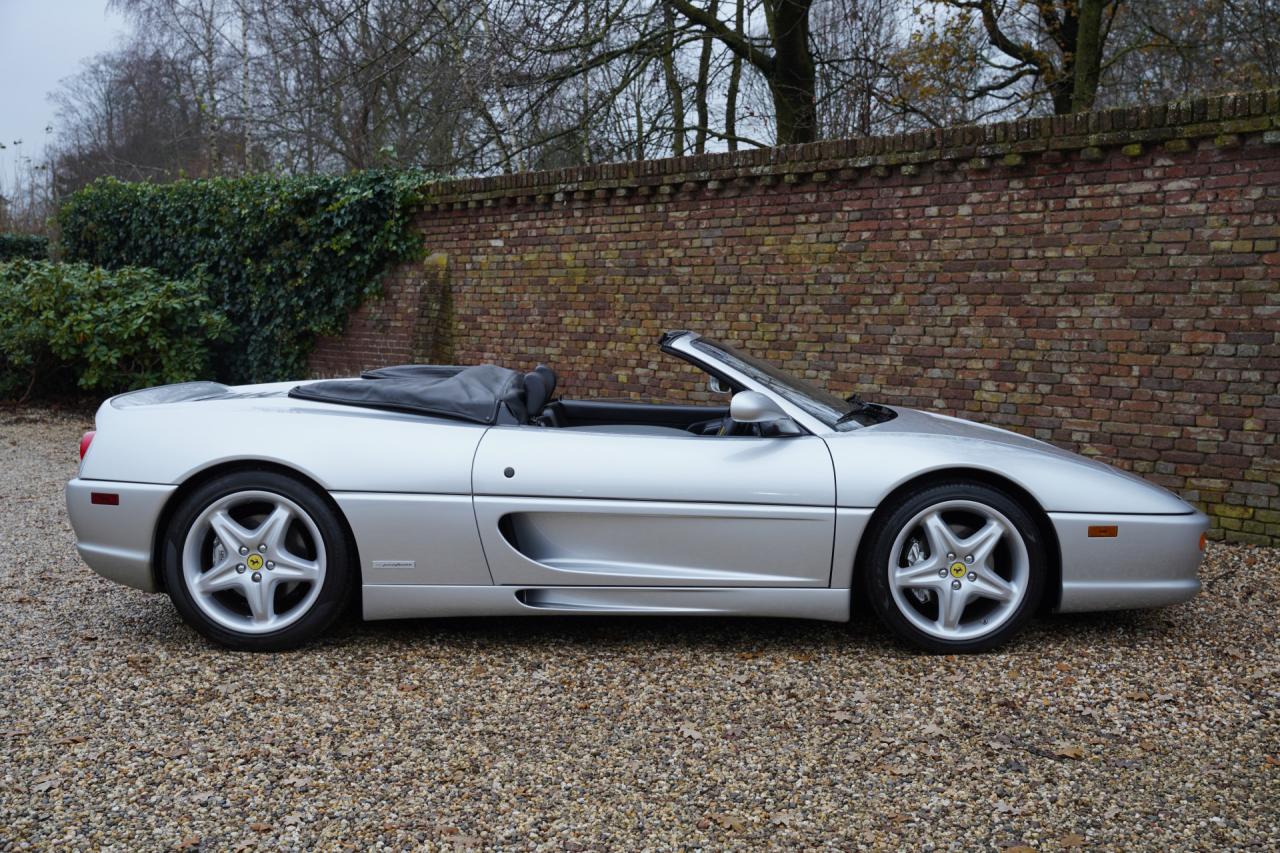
{"x":284,"y":259}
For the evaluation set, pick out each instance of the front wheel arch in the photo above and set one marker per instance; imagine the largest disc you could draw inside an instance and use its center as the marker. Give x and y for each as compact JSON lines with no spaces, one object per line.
{"x":203,"y":476}
{"x":1053,"y":551}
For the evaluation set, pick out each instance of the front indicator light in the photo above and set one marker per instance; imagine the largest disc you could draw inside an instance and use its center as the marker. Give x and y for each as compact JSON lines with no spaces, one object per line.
{"x":1103,"y":531}
{"x":1203,"y":538}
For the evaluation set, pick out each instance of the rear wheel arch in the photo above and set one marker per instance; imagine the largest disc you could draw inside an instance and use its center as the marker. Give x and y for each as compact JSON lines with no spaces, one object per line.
{"x":203,"y":476}
{"x":1053,"y":551}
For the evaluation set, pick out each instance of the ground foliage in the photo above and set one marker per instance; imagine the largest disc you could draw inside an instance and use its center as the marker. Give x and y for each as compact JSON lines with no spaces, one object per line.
{"x":73,"y":327}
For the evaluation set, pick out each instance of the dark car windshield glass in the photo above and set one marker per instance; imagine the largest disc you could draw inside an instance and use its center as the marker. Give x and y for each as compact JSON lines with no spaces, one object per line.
{"x":818,"y":402}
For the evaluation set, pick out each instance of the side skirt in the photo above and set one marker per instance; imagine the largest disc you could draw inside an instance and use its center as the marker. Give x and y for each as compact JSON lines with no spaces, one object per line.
{"x":400,"y":601}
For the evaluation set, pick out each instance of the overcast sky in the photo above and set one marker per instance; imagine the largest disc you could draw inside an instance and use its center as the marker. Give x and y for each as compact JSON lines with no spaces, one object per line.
{"x":42,"y":42}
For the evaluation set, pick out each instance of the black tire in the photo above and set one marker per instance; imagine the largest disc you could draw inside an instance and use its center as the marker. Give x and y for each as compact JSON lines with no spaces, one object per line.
{"x":875,"y":569}
{"x":335,"y":590}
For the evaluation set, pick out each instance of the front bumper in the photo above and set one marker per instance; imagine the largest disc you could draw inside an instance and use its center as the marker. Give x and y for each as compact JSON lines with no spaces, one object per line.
{"x":1153,"y":560}
{"x":116,"y":540}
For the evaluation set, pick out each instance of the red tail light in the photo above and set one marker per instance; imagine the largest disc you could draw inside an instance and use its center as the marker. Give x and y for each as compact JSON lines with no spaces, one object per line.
{"x":85,"y":441}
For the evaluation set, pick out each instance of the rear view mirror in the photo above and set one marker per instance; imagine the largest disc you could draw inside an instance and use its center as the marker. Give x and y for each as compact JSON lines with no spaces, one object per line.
{"x":752,"y":407}
{"x":718,"y":386}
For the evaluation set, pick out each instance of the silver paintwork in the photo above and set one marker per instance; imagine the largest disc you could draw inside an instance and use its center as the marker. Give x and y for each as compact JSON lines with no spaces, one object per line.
{"x":960,"y":569}
{"x":117,"y":541}
{"x":1153,"y":561}
{"x":407,"y":602}
{"x":437,"y":533}
{"x":266,"y":548}
{"x":752,"y":407}
{"x":648,"y":519}
{"x":630,"y":543}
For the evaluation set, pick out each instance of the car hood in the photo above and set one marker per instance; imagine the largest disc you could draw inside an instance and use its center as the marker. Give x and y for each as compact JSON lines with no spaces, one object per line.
{"x":919,"y":442}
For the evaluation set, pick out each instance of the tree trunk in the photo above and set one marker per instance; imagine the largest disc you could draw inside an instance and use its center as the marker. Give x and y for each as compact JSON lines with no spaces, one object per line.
{"x":673,"y":82}
{"x":700,"y":92}
{"x":1086,"y":62}
{"x":793,"y":79}
{"x":735,"y":80}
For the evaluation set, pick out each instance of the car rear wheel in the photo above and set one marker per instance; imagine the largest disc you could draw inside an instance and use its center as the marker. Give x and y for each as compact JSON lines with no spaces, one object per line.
{"x":257,"y":561}
{"x":955,"y":567}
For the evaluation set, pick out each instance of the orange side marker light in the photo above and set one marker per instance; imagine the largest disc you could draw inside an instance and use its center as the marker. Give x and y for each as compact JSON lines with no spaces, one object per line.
{"x":1103,"y":531}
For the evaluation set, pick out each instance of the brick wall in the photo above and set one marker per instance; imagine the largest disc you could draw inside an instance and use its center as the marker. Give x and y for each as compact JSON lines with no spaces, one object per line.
{"x":1109,"y":282}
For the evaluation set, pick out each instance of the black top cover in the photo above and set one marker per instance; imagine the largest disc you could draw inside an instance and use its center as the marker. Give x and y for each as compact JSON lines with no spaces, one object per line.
{"x":484,"y":394}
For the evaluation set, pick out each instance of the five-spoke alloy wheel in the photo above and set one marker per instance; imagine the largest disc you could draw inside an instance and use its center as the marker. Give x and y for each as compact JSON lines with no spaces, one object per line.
{"x":257,"y":561}
{"x":955,"y":567}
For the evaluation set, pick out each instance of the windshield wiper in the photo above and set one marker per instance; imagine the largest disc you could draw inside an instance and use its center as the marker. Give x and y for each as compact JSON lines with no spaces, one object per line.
{"x":859,"y":406}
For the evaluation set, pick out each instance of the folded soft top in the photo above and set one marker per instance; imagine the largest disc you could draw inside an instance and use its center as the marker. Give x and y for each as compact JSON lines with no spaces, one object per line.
{"x":484,"y":394}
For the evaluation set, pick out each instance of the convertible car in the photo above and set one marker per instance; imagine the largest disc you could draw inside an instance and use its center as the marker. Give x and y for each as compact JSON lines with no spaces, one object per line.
{"x":264,"y":511}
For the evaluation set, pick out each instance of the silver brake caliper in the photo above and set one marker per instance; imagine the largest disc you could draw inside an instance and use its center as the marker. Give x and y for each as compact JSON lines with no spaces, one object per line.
{"x":914,"y":555}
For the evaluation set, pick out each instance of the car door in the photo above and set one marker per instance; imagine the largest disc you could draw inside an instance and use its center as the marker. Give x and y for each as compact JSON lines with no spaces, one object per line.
{"x":653,"y":507}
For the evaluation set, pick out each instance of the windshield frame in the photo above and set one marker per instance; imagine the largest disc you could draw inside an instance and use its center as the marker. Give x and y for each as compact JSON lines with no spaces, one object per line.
{"x":814,"y":404}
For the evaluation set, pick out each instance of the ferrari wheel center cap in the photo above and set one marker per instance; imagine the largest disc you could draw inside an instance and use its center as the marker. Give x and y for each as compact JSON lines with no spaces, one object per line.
{"x":958,"y":569}
{"x":255,"y":562}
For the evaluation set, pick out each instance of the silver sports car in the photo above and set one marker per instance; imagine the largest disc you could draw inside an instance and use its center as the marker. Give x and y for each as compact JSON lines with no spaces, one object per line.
{"x":429,"y":490}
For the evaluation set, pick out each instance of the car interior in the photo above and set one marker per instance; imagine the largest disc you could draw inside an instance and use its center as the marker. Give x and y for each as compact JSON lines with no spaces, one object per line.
{"x":627,"y":416}
{"x":487,"y":393}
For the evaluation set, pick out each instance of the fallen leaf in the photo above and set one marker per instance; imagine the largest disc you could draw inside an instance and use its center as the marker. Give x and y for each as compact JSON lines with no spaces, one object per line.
{"x":1062,"y":667}
{"x":729,"y":822}
{"x":1072,"y":840}
{"x":189,"y":842}
{"x":46,"y":783}
{"x":260,"y":827}
{"x":688,"y":730}
{"x":1067,"y":750}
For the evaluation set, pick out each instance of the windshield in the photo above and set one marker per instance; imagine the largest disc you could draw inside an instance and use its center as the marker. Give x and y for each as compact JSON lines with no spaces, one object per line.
{"x":816,"y":401}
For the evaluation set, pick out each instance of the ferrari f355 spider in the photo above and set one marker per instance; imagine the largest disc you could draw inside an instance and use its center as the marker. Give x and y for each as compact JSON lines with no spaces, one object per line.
{"x":264,"y":511}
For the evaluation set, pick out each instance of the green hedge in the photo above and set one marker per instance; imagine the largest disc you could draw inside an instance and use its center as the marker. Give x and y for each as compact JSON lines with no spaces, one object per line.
{"x":26,"y":246}
{"x":71,"y":326}
{"x":285,"y":259}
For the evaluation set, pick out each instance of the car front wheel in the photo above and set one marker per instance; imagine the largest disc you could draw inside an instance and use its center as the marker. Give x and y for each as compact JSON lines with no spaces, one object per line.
{"x":257,"y":561}
{"x":955,"y":567}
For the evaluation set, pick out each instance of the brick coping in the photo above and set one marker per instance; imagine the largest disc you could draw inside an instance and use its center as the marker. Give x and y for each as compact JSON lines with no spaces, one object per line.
{"x":1006,"y":144}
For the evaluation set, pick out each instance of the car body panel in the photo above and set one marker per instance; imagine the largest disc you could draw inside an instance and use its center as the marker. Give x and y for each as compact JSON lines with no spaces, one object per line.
{"x":117,"y":540}
{"x":594,"y":506}
{"x":558,"y":541}
{"x":870,"y":463}
{"x":404,"y":602}
{"x":607,"y":518}
{"x":415,"y":539}
{"x":1151,"y":561}
{"x":341,"y":448}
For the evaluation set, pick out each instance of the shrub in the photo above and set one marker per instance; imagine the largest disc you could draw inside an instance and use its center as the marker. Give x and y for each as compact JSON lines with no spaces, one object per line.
{"x":286,"y":259}
{"x":68,"y":326}
{"x":30,"y":246}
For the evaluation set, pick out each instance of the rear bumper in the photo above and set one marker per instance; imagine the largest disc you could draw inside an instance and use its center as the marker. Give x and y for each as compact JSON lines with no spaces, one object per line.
{"x":1153,"y":560}
{"x":116,"y":540}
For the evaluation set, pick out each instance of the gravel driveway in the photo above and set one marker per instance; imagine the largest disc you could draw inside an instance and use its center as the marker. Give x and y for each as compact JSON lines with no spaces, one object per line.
{"x":121,"y":728}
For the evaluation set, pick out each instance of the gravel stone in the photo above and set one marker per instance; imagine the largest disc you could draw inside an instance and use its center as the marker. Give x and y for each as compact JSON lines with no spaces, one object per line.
{"x":122,"y":729}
